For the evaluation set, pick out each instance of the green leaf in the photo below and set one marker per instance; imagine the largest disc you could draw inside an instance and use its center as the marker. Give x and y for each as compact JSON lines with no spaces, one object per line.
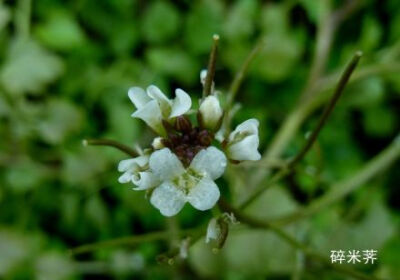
{"x":175,"y":63}
{"x":203,"y":21}
{"x":160,"y":22}
{"x":5,"y":16}
{"x":274,"y":19}
{"x":82,"y":166}
{"x":274,"y":203}
{"x":96,"y":212}
{"x":29,"y":67}
{"x":54,"y":265}
{"x":366,"y":93}
{"x":278,"y":58}
{"x":370,"y":233}
{"x":15,"y":248}
{"x":371,"y":34}
{"x":240,"y":22}
{"x":315,"y":9}
{"x":379,"y":121}
{"x":60,"y":31}
{"x":59,"y":120}
{"x":25,"y":175}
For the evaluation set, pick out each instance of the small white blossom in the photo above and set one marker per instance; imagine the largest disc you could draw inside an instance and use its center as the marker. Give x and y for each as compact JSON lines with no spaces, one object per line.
{"x":194,"y":184}
{"x":213,"y":230}
{"x":153,"y":106}
{"x":210,"y":113}
{"x":243,"y":141}
{"x":136,"y":170}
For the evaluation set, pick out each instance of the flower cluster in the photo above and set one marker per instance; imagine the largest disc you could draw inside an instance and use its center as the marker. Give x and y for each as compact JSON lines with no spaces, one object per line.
{"x":184,"y":161}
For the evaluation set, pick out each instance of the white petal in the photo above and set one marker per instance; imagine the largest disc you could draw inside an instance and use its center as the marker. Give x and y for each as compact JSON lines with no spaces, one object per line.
{"x":168,"y":199}
{"x":138,"y":97}
{"x":144,"y":180}
{"x":245,"y":149}
{"x":250,"y":127}
{"x":181,"y":104}
{"x":151,"y":115}
{"x":126,"y":164}
{"x":210,"y":160}
{"x":204,"y":195}
{"x":165,"y":164}
{"x":125,"y":178}
{"x":165,"y":104}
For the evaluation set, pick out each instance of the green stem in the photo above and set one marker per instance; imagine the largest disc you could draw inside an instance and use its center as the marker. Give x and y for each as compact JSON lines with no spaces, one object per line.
{"x":237,"y":81}
{"x":110,"y":143}
{"x":310,"y":141}
{"x":23,"y":18}
{"x":128,"y":241}
{"x":211,"y":67}
{"x":339,"y":190}
{"x":260,"y":190}
{"x":328,"y":110}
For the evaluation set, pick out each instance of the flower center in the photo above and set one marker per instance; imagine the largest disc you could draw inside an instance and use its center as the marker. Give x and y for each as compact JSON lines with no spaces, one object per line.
{"x":186,"y":141}
{"x":186,"y":181}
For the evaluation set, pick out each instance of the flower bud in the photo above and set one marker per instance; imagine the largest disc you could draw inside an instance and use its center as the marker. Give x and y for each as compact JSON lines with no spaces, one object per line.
{"x":217,"y":230}
{"x":183,"y":124}
{"x":158,"y":143}
{"x":243,"y":142}
{"x":213,"y":230}
{"x":210,"y":113}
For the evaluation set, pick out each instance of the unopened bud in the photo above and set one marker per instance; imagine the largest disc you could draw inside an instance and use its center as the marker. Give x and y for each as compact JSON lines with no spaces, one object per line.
{"x":158,"y":143}
{"x":205,"y":138}
{"x":213,"y":230}
{"x":217,"y":230}
{"x":210,"y":113}
{"x":183,"y":124}
{"x":203,"y":75}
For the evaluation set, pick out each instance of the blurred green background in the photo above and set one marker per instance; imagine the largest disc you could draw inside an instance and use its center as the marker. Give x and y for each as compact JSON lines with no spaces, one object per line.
{"x":64,"y":73}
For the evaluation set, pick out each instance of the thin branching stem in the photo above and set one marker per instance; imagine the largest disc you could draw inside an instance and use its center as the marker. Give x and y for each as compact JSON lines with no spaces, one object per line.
{"x":129,"y":240}
{"x":237,"y":82}
{"x":328,"y":109}
{"x":240,"y":75}
{"x":211,"y":67}
{"x":328,"y":24}
{"x":339,"y":190}
{"x":256,"y":223}
{"x":311,"y":140}
{"x":110,"y":143}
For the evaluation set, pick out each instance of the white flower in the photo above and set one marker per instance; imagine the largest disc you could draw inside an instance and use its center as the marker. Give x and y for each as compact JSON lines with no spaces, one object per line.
{"x":194,"y":184}
{"x":210,"y":113}
{"x":213,"y":230}
{"x":136,"y":170}
{"x":153,"y":106}
{"x":243,"y":141}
